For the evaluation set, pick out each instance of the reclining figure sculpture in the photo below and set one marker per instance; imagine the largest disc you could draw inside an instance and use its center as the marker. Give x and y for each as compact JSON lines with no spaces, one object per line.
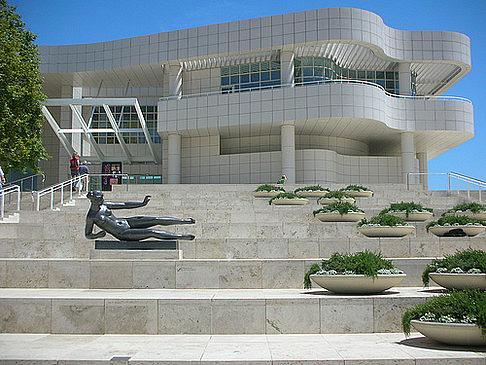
{"x":128,"y":229}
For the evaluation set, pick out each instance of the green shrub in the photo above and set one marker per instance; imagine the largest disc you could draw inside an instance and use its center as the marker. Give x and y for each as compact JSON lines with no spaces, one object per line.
{"x":354,"y":188}
{"x":455,"y":221}
{"x":383,"y":220}
{"x":407,"y":207}
{"x":361,"y":263}
{"x":460,"y":306}
{"x":284,"y":196}
{"x":341,"y":207}
{"x":466,"y":260}
{"x":468,"y":207}
{"x":311,"y":188}
{"x":267,"y":187}
{"x":337,"y":195}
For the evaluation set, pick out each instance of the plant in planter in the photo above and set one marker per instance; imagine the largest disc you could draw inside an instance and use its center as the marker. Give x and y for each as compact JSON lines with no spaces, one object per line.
{"x":311,"y":191}
{"x":458,"y":318}
{"x":464,"y":269}
{"x":360,"y":273}
{"x":384,"y":225}
{"x":287,"y":199}
{"x":339,"y":212}
{"x":456,"y":226}
{"x":267,"y":191}
{"x":471,"y":210}
{"x":335,"y":196}
{"x":409,"y":211}
{"x":357,"y":191}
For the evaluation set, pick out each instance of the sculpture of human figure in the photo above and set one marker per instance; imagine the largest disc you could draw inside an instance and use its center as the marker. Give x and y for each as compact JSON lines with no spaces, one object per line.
{"x":128,"y":229}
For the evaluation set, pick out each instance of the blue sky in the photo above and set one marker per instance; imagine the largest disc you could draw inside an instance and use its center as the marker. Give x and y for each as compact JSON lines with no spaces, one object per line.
{"x":85,"y":21}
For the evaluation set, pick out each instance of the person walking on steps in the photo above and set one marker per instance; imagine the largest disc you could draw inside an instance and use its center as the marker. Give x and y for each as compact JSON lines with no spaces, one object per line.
{"x":2,"y":181}
{"x":83,"y":170}
{"x":74,"y":166}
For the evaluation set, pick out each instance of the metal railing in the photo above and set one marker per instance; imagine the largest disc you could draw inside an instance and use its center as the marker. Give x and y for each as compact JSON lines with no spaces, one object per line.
{"x":4,"y":193}
{"x":454,"y":177}
{"x":27,"y":183}
{"x":60,"y":188}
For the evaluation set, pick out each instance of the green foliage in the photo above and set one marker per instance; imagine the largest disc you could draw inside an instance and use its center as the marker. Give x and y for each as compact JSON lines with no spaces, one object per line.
{"x":468,"y":207}
{"x":360,"y":263}
{"x":337,"y":194}
{"x":466,"y":260}
{"x":455,"y":221}
{"x":341,"y":207}
{"x":311,"y":188}
{"x":407,"y":207}
{"x":354,"y":188}
{"x":21,"y":117}
{"x":284,"y":196}
{"x":383,"y":220}
{"x":460,"y":306}
{"x":268,"y":188}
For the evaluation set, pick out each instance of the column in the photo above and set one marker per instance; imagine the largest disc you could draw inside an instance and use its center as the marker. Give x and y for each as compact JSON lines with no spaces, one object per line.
{"x":288,"y":152}
{"x":404,"y":78}
{"x":174,"y":72}
{"x":423,"y":168}
{"x":408,"y":156}
{"x":79,"y":139}
{"x":287,"y":67}
{"x":174,"y":158}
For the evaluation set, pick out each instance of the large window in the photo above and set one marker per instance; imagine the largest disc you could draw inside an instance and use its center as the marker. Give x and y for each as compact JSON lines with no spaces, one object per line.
{"x":251,"y":75}
{"x":126,"y":118}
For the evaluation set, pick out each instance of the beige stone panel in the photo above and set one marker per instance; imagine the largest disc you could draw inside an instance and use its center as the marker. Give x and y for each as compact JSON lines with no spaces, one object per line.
{"x":27,"y":274}
{"x":395,"y":247}
{"x":192,"y":274}
{"x":356,"y":316}
{"x":303,"y":248}
{"x":322,"y":230}
{"x":449,"y":245}
{"x":346,"y":229}
{"x":209,"y":249}
{"x":240,"y":274}
{"x":242,"y":230}
{"x":82,"y":316}
{"x":295,"y":230}
{"x":387,"y":312}
{"x":3,"y":274}
{"x":238,"y":316}
{"x":239,"y":216}
{"x":33,"y":248}
{"x":413,"y":267}
{"x":82,"y":248}
{"x":328,"y":246}
{"x":214,"y":230}
{"x":131,"y":316}
{"x":241,"y":248}
{"x":188,"y":248}
{"x":180,"y":316}
{"x":111,"y":274}
{"x":69,"y":274}
{"x":282,"y":274}
{"x":25,"y":315}
{"x":478,"y":242}
{"x":154,"y":274}
{"x":263,"y":217}
{"x":292,"y":316}
{"x":420,"y":230}
{"x":268,"y":230}
{"x":424,"y":247}
{"x":8,"y":230}
{"x":272,"y":248}
{"x":363,"y":243}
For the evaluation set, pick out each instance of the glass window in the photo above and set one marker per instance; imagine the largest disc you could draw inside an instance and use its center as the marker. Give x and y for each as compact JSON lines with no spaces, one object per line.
{"x":225,"y":81}
{"x":255,"y":67}
{"x":234,"y":70}
{"x":244,"y":79}
{"x":308,"y":71}
{"x":307,"y":61}
{"x":265,"y":76}
{"x":389,"y":75}
{"x":255,"y":77}
{"x":275,"y":75}
{"x":361,"y":75}
{"x":380,"y":75}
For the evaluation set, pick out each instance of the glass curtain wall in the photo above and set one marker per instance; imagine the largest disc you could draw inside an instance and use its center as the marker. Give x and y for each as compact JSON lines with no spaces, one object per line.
{"x":251,"y":75}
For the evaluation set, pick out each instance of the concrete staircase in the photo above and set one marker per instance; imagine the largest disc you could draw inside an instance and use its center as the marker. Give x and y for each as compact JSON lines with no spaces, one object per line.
{"x":232,"y":295}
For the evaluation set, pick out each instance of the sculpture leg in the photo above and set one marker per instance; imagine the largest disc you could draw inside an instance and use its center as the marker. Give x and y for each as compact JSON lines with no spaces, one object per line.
{"x":146,"y":222}
{"x":141,"y":234}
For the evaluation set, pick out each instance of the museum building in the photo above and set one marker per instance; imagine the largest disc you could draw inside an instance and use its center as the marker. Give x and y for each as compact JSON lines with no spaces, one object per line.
{"x":322,"y":96}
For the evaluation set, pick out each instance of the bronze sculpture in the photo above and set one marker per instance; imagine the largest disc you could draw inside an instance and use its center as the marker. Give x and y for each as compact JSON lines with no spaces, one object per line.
{"x":128,"y":229}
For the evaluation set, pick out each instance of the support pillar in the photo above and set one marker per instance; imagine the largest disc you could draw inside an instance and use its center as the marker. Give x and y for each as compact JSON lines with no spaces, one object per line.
{"x":287,"y":67}
{"x":404,"y":78}
{"x":175,"y":79}
{"x":288,"y":152}
{"x":408,"y":156}
{"x":174,"y":158}
{"x":423,"y":168}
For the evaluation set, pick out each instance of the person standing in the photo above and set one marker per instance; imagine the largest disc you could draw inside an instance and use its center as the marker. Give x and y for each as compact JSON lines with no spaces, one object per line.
{"x":2,"y":178}
{"x":74,"y":166}
{"x":83,"y":170}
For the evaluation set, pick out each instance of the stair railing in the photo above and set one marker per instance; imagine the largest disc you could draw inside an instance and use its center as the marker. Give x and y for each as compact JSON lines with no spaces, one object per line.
{"x":23,"y":183}
{"x":81,"y":181}
{"x":10,"y":190}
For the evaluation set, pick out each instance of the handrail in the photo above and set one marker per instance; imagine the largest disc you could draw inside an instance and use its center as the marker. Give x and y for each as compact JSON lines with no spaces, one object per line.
{"x":6,"y":191}
{"x":60,"y":187}
{"x":337,"y":81}
{"x":31,"y":177}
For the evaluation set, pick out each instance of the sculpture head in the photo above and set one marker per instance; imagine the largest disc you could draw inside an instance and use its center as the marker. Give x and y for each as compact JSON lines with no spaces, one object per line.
{"x":95,"y":196}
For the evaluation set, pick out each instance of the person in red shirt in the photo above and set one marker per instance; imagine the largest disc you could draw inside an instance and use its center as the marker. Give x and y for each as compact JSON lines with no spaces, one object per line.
{"x":74,"y":166}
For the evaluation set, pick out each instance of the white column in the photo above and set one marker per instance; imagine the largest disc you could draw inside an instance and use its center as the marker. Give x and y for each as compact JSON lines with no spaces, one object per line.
{"x":288,"y":152}
{"x":78,"y":139}
{"x":175,"y":79}
{"x":423,"y":168}
{"x":408,"y":155}
{"x":174,"y":158}
{"x":287,"y":67}
{"x":404,"y":78}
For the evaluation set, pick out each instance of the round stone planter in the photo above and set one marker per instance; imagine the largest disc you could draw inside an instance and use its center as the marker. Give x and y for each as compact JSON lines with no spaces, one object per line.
{"x":266,"y":194}
{"x":311,"y":194}
{"x":459,"y":281}
{"x":357,"y":284}
{"x":327,"y":201}
{"x":469,"y":230}
{"x":414,"y":216}
{"x":462,"y":334}
{"x":386,"y":231}
{"x":359,"y":194}
{"x":481,"y":216}
{"x":336,"y":217}
{"x":290,"y":201}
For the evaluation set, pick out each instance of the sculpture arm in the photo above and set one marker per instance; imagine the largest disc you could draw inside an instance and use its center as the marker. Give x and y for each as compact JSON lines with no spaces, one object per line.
{"x":88,"y":231}
{"x":127,"y":205}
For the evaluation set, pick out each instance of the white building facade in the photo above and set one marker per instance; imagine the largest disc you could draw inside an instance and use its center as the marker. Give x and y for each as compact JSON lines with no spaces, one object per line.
{"x":323,"y":96}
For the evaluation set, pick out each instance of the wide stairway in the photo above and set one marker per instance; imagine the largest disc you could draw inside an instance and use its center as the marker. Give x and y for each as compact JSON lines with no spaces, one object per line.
{"x":234,"y":294}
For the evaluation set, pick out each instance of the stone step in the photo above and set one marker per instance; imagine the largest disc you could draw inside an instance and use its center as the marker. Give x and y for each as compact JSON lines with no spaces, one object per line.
{"x":166,"y":311}
{"x":172,"y":274}
{"x":326,"y":349}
